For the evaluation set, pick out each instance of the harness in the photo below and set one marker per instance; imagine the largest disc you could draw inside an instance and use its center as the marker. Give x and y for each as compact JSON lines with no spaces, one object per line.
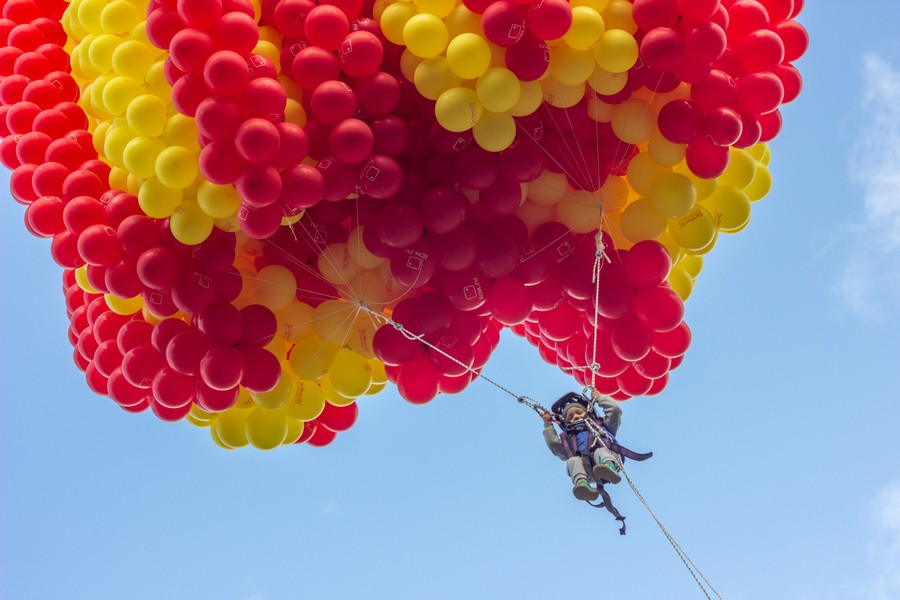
{"x":575,"y":442}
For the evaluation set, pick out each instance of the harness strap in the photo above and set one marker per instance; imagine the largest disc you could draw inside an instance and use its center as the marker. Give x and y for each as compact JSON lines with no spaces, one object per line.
{"x":608,"y":505}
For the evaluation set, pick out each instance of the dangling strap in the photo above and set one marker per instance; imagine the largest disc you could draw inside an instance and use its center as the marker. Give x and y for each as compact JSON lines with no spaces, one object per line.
{"x":608,"y":505}
{"x":609,"y":440}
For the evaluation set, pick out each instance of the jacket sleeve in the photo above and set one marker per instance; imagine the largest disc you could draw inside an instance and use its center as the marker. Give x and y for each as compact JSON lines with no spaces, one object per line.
{"x":612,"y":413}
{"x":551,"y":437}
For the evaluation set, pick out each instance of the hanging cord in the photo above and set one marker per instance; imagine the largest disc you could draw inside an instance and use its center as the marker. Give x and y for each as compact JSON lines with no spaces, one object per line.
{"x":600,"y":256}
{"x":692,"y":568}
{"x":526,"y":400}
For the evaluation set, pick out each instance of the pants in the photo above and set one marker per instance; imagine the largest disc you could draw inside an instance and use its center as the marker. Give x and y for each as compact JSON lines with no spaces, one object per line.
{"x":579,"y":467}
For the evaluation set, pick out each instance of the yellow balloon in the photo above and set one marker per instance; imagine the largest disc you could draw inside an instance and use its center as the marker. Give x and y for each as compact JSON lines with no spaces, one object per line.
{"x":295,"y":430}
{"x":579,"y":210}
{"x":119,"y":17}
{"x":730,"y":207}
{"x":425,"y":35}
{"x":359,"y":254}
{"x":548,"y":189}
{"x":351,"y":374}
{"x":333,"y":320}
{"x":640,"y":222}
{"x":458,"y":109}
{"x":598,"y":5}
{"x":124,"y":306}
{"x":586,"y":29}
{"x":633,"y":121}
{"x":394,"y":19}
{"x":531,"y":96}
{"x":740,"y":171}
{"x":198,"y":420}
{"x":495,"y":131}
{"x":599,"y":110}
{"x":335,"y":264}
{"x":617,"y":15}
{"x":617,"y":51}
{"x":462,"y":20}
{"x":218,"y":201}
{"x":307,"y":402}
{"x":275,"y":287}
{"x":663,"y":152}
{"x":614,"y":193}
{"x":692,"y":265}
{"x":117,"y":137}
{"x":361,"y":335}
{"x":705,"y":187}
{"x":433,"y":77}
{"x":89,"y":12}
{"x":140,"y":155}
{"x":176,"y":167}
{"x":760,"y":152}
{"x":118,"y":178}
{"x":311,"y":358}
{"x":643,"y":173}
{"x":438,"y":8}
{"x":761,"y":185}
{"x":281,"y":393}
{"x":498,"y":90}
{"x":155,"y":81}
{"x":681,"y":282}
{"x":119,"y":92}
{"x":570,"y":66}
{"x":147,"y":115}
{"x":695,"y":231}
{"x":158,"y":201}
{"x":468,"y":55}
{"x":673,"y":195}
{"x":562,"y":96}
{"x":81,"y":280}
{"x":100,"y":52}
{"x":294,"y":113}
{"x":217,"y":440}
{"x":189,"y":224}
{"x":266,"y":428}
{"x":606,"y":82}
{"x":181,"y":131}
{"x":331,"y":395}
{"x":295,"y":321}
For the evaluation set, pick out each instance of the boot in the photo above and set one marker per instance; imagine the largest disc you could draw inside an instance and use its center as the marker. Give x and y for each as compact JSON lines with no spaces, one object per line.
{"x":584,"y":491}
{"x":607,"y":471}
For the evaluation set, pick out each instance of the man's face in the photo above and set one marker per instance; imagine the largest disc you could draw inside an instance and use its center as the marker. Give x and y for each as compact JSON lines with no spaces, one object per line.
{"x":573,"y":415}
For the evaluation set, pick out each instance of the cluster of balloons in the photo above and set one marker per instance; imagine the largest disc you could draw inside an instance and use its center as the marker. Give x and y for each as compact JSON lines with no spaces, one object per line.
{"x":267,"y":210}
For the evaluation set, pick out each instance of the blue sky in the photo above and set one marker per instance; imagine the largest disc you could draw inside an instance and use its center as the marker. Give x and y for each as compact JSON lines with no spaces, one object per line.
{"x":776,"y":453}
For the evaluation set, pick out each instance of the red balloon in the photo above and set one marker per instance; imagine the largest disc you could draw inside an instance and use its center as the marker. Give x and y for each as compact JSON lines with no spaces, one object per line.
{"x":509,"y":301}
{"x":215,"y":401}
{"x":261,"y":369}
{"x":173,"y":389}
{"x":706,"y":159}
{"x":45,"y":216}
{"x":649,"y":14}
{"x":504,"y":22}
{"x":615,"y":291}
{"x":697,"y":10}
{"x":190,"y":49}
{"x":338,"y":418}
{"x":399,"y":225}
{"x":222,"y":368}
{"x":381,"y":177}
{"x":360,"y":53}
{"x":680,"y":121}
{"x":443,"y":209}
{"x":647,"y":264}
{"x":549,"y":19}
{"x":418,"y":381}
{"x":759,"y":93}
{"x":258,"y":325}
{"x":125,"y":394}
{"x":199,"y":14}
{"x":653,"y":365}
{"x":321,"y":436}
{"x":528,"y":59}
{"x":795,"y":38}
{"x":141,"y":365}
{"x":314,"y":66}
{"x":662,"y":49}
{"x":326,"y":27}
{"x":672,"y":343}
{"x":158,"y":268}
{"x":377,"y":94}
{"x":351,"y":141}
{"x":658,"y":308}
{"x":746,"y":16}
{"x":723,"y":126}
{"x":630,"y":339}
{"x":133,"y":334}
{"x":631,"y":382}
{"x":560,"y":323}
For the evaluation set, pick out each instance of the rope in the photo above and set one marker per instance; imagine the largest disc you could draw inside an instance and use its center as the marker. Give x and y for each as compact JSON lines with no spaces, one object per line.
{"x":685,"y":559}
{"x":600,"y":256}
{"x":526,"y":400}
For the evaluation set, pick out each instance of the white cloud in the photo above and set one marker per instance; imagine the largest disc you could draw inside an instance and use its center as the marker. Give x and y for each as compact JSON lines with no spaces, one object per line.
{"x":886,"y":551}
{"x":871,"y":275}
